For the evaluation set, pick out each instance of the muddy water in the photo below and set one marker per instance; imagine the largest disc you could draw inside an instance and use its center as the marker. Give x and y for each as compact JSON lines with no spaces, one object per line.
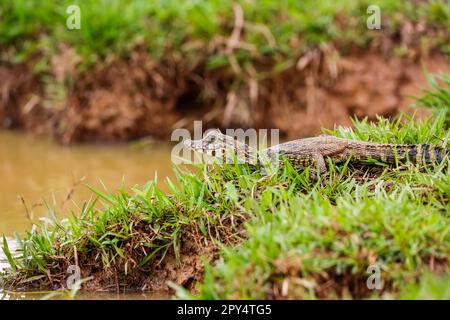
{"x":35,"y":172}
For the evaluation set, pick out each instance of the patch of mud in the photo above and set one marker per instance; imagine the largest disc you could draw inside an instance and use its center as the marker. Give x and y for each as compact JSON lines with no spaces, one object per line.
{"x":154,"y":277}
{"x":120,"y":101}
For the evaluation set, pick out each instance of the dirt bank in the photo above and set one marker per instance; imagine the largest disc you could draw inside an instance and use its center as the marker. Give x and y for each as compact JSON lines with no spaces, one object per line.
{"x":126,"y":99}
{"x":183,"y":266}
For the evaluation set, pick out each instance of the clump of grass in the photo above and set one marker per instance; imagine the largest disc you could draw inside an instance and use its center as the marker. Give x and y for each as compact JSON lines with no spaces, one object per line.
{"x":438,"y":97}
{"x":132,"y":236}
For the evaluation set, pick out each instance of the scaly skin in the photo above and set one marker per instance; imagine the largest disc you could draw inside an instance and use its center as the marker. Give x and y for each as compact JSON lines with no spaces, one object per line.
{"x":311,"y":152}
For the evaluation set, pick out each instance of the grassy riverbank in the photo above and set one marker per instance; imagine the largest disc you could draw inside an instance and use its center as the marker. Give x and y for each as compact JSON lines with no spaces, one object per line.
{"x":282,"y":236}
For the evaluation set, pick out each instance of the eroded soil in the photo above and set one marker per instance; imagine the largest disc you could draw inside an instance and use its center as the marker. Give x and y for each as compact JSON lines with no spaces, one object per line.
{"x":126,"y":99}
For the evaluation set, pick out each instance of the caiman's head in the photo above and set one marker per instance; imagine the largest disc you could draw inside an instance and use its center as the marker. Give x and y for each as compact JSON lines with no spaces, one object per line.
{"x":214,"y":143}
{"x":221,"y":146}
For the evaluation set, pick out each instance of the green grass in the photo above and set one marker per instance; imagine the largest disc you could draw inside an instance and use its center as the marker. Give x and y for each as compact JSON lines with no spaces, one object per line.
{"x":199,"y":29}
{"x":438,"y":97}
{"x":282,"y":236}
{"x":430,"y":287}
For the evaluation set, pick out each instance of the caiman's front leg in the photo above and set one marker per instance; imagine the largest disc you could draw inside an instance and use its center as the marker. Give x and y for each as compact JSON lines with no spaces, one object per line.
{"x":311,"y":158}
{"x":268,"y":161}
{"x":318,"y":163}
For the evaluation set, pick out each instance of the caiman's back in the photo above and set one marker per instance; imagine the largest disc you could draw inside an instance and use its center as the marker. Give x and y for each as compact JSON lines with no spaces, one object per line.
{"x":304,"y":152}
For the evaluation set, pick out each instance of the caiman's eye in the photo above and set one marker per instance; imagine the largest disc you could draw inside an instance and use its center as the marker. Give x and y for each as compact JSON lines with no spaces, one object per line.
{"x":211,"y":139}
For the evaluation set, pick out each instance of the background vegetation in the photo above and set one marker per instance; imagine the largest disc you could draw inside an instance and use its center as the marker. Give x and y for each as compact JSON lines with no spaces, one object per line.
{"x":193,"y":29}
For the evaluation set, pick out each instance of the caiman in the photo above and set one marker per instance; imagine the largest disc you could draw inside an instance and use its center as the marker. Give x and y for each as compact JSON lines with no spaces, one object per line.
{"x":312,"y":152}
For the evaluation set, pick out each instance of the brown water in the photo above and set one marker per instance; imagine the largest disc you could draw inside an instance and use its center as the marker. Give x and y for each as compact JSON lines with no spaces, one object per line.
{"x":35,"y":171}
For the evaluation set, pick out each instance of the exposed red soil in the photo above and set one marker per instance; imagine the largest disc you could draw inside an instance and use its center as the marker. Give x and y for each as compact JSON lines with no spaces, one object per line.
{"x":154,"y":277}
{"x":20,"y":99}
{"x":126,"y":99}
{"x":363,"y":85}
{"x":123,"y":101}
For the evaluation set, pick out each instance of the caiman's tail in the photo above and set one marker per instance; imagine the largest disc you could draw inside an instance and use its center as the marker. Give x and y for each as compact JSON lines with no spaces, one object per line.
{"x":415,"y":153}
